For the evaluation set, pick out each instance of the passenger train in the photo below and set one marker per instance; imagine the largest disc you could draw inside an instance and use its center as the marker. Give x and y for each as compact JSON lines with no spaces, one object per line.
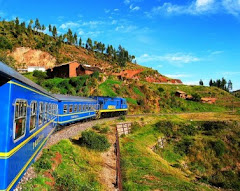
{"x":29,"y":115}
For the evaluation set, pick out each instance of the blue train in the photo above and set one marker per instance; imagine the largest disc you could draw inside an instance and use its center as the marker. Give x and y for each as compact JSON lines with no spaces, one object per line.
{"x":29,"y":115}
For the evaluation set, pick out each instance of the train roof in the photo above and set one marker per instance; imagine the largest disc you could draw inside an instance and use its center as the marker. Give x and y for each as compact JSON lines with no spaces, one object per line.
{"x":10,"y":74}
{"x":73,"y":98}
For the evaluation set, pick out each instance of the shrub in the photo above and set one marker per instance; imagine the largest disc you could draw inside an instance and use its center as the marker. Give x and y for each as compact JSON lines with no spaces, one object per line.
{"x":5,"y":43}
{"x":94,"y":141}
{"x":96,"y":127}
{"x":122,"y":117}
{"x":160,"y":89}
{"x":218,"y":147}
{"x":105,"y":130}
{"x":39,"y":74}
{"x":189,"y":130}
{"x":211,"y":126}
{"x":196,"y":97}
{"x":183,"y":147}
{"x":165,"y":127}
{"x":135,"y":126}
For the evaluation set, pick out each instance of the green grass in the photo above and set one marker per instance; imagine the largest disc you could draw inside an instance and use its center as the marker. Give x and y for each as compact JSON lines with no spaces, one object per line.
{"x":76,"y":169}
{"x":145,"y":170}
{"x":107,"y":87}
{"x":192,"y":149}
{"x":131,"y":101}
{"x":138,"y":92}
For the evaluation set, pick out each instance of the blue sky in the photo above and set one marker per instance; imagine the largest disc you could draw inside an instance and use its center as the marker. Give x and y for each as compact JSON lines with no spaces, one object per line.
{"x":187,"y":39}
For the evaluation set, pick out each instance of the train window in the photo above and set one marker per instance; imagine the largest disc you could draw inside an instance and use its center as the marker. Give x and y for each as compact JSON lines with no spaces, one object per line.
{"x":48,"y":111}
{"x":40,"y":119}
{"x":20,"y":118}
{"x":70,"y":108}
{"x":45,"y":113}
{"x":33,"y":118}
{"x":65,"y":108}
{"x":79,"y":107}
{"x":75,"y":108}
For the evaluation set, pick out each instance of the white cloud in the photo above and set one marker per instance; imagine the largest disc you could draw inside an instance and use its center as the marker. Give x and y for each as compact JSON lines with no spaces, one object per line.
{"x":232,"y":6}
{"x":125,"y":28}
{"x":177,"y":59}
{"x":69,"y":25}
{"x":106,"y":10}
{"x":134,"y":8}
{"x":197,"y":7}
{"x":116,"y":9}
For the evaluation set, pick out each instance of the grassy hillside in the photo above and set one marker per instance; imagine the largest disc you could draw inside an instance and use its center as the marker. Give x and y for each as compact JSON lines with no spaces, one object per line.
{"x":142,"y":97}
{"x":173,"y":153}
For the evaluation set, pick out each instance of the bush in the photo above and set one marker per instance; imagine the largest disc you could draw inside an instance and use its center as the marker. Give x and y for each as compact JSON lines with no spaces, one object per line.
{"x":218,"y":147}
{"x":196,"y":97}
{"x":96,"y":127}
{"x":189,"y":130}
{"x":160,"y":89}
{"x":39,"y":74}
{"x":122,"y":117}
{"x":5,"y":43}
{"x":135,"y":126}
{"x":92,"y":140}
{"x":183,"y":147}
{"x":105,"y":130}
{"x":213,"y":125}
{"x":165,"y":127}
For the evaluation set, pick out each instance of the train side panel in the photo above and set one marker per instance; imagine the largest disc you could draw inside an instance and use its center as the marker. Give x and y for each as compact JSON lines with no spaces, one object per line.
{"x":70,"y":112}
{"x":5,"y":90}
{"x":24,"y":143}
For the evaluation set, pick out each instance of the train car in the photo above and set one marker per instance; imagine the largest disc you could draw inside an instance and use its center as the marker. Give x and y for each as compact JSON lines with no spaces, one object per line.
{"x":73,"y":109}
{"x":28,"y":116}
{"x":109,"y":106}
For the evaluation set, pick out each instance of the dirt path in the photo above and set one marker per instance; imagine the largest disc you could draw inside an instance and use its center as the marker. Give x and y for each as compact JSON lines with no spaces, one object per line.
{"x":108,"y":175}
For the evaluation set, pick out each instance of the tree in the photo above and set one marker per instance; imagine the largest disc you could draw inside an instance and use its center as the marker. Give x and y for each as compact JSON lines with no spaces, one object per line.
{"x":43,"y":27}
{"x":54,"y":31}
{"x":122,"y":56}
{"x":70,"y":37}
{"x":37,"y":25}
{"x":89,"y":44}
{"x":210,"y":83}
{"x":201,"y":83}
{"x":17,"y":26}
{"x":75,"y":38}
{"x":223,"y":84}
{"x":50,"y":28}
{"x":30,"y":26}
{"x":229,"y":85}
{"x":80,"y":42}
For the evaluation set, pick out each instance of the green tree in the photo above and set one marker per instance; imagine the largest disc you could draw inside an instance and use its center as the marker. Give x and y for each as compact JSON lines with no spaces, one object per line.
{"x":201,"y":83}
{"x":30,"y":26}
{"x":80,"y":42}
{"x":70,"y":38}
{"x":54,"y":32}
{"x":75,"y":38}
{"x":211,"y":83}
{"x":229,"y":85}
{"x":37,"y":25}
{"x":5,"y":43}
{"x":89,"y":44}
{"x":122,"y":56}
{"x":50,"y":28}
{"x":43,"y":27}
